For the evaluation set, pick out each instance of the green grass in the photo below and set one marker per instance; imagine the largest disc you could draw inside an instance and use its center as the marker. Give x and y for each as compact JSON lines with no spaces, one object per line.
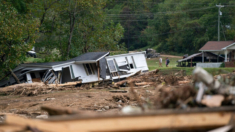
{"x":154,"y":64}
{"x":33,"y":60}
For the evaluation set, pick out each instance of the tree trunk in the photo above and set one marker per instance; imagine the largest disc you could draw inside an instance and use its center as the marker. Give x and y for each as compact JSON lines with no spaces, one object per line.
{"x":14,"y":76}
{"x":72,"y":22}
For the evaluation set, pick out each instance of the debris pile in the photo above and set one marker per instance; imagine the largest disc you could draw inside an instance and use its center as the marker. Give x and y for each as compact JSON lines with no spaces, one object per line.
{"x":34,"y":89}
{"x":149,"y":79}
{"x":205,"y":99}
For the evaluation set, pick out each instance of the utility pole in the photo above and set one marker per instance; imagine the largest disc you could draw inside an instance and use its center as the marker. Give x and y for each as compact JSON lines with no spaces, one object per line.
{"x":219,"y":13}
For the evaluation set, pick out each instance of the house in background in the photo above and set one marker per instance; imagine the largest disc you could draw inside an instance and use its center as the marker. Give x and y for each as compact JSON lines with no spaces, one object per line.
{"x":226,"y":48}
{"x":87,"y":68}
{"x":194,"y":59}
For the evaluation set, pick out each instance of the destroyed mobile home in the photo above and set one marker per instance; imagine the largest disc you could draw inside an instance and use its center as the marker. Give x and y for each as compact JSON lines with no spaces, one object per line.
{"x":88,"y":67}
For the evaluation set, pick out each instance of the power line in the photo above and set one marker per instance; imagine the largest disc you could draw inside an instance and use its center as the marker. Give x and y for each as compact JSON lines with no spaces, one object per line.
{"x":169,"y":12}
{"x":172,"y":32}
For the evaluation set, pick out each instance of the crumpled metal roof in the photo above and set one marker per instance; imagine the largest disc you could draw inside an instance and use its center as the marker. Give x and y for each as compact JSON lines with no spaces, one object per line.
{"x":189,"y":57}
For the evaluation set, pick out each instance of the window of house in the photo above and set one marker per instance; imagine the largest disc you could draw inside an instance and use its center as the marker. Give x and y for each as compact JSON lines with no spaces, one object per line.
{"x":111,"y":65}
{"x":89,"y":69}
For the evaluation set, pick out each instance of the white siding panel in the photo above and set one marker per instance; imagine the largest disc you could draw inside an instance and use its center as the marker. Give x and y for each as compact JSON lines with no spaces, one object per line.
{"x":79,"y":71}
{"x":140,"y":61}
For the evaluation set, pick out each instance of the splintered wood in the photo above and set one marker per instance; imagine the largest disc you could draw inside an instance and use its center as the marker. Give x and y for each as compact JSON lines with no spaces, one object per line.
{"x":31,"y":89}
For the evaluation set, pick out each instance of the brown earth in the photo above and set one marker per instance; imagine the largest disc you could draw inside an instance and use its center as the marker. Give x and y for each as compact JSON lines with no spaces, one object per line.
{"x":83,"y":100}
{"x":20,"y":100}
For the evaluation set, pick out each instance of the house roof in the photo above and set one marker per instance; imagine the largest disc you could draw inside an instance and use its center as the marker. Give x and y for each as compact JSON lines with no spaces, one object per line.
{"x":92,"y":56}
{"x":134,"y":53}
{"x":206,"y":54}
{"x":84,"y":58}
{"x":215,"y":45}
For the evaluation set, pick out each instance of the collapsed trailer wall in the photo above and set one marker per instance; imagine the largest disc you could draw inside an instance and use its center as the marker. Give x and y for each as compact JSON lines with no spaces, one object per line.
{"x":131,"y":62}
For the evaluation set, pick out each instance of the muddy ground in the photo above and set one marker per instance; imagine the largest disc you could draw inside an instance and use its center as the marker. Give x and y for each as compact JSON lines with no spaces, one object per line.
{"x":163,"y":91}
{"x":85,"y":100}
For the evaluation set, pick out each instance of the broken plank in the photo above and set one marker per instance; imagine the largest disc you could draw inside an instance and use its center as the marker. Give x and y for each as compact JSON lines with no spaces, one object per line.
{"x":144,"y":83}
{"x":171,"y":119}
{"x":118,"y":91}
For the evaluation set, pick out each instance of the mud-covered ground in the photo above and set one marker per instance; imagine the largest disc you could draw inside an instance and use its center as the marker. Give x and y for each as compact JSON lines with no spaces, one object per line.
{"x":157,"y":91}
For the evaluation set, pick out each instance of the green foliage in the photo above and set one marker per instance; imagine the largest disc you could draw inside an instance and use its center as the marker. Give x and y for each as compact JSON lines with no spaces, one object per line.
{"x":179,"y":26}
{"x":222,"y":65}
{"x":75,"y":27}
{"x":17,"y":36}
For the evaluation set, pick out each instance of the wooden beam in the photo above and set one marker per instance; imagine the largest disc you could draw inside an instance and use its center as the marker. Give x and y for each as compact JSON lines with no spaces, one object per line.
{"x":180,"y":120}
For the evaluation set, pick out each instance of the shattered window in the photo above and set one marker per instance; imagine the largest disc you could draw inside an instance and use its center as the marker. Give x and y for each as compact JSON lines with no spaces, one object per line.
{"x":89,"y":69}
{"x":112,"y":67}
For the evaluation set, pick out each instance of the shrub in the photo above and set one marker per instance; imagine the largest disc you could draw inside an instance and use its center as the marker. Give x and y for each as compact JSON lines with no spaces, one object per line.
{"x":222,"y":65}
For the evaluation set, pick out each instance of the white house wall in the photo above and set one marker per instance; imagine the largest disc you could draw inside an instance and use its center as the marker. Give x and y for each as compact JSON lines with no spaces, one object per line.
{"x":79,"y":71}
{"x":139,"y":59}
{"x":140,"y":62}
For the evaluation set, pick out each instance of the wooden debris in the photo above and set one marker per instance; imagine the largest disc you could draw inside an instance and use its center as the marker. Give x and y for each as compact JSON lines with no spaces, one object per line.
{"x":118,"y":91}
{"x":166,"y":119}
{"x":59,"y":111}
{"x":144,"y":83}
{"x":31,"y":89}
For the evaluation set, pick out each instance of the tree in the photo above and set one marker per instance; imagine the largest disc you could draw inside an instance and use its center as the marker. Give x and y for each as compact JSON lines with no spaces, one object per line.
{"x":17,"y":36}
{"x":79,"y":26}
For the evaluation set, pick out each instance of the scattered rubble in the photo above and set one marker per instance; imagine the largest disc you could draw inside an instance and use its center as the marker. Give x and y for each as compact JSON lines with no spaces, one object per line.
{"x":140,"y":94}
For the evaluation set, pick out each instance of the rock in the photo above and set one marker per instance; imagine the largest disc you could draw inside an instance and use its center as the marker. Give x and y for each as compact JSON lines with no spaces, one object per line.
{"x":131,"y":110}
{"x":106,"y":107}
{"x":48,"y":99}
{"x":120,"y":106}
{"x":99,"y":110}
{"x":120,"y":101}
{"x":42,"y":117}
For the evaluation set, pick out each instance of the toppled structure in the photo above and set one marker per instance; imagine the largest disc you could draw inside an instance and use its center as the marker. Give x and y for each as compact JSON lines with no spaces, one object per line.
{"x":88,"y":67}
{"x":125,"y":65}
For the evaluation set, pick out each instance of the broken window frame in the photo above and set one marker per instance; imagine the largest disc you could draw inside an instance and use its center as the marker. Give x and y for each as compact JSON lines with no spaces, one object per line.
{"x":133,"y":62}
{"x":86,"y":66}
{"x":114,"y":66}
{"x":71,"y":71}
